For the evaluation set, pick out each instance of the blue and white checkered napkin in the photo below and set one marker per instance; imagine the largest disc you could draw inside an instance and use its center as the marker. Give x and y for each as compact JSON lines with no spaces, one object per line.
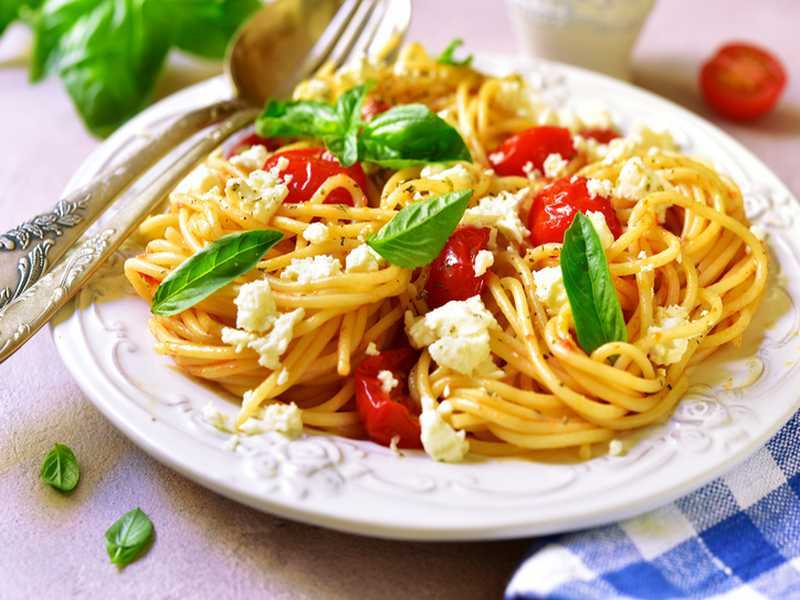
{"x":737,"y":537}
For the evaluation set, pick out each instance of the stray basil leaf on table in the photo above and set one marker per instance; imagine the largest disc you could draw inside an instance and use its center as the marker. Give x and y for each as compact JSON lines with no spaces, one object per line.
{"x":128,"y":537}
{"x":60,"y":468}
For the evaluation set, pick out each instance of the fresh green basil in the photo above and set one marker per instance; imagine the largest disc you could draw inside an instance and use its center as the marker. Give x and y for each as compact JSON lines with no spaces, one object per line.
{"x":60,"y":468}
{"x":596,"y":311}
{"x":417,"y":234}
{"x":11,"y":10}
{"x":446,"y":57}
{"x":211,"y":268}
{"x":411,"y":134}
{"x":204,"y":27}
{"x":128,"y":537}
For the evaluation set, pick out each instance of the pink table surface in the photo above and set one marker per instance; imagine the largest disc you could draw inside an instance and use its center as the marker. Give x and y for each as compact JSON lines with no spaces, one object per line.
{"x":208,"y":546}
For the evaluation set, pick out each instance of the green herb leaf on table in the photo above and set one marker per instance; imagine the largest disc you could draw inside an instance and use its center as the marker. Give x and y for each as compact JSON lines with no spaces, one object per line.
{"x":128,"y":537}
{"x":212,"y":268}
{"x":446,"y":57}
{"x":417,"y":234}
{"x":60,"y":468}
{"x":596,"y":310}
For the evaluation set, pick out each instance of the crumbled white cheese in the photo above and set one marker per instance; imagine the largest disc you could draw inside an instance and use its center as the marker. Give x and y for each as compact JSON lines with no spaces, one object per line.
{"x":271,"y":347}
{"x":237,"y":338}
{"x":439,"y":439}
{"x":641,"y":139}
{"x":670,"y":351}
{"x":199,"y":181}
{"x":530,"y":171}
{"x":615,"y":448}
{"x":457,"y":176}
{"x":600,"y":187}
{"x":251,"y":159}
{"x":260,"y":193}
{"x":316,"y":233}
{"x":554,"y":165}
{"x":636,"y":180}
{"x":550,"y":290}
{"x":484,"y":259}
{"x":283,"y":418}
{"x":600,"y":225}
{"x":216,"y":418}
{"x":256,"y":310}
{"x":313,"y":268}
{"x":363,"y":259}
{"x":388,"y":380}
{"x":372,"y":349}
{"x":590,"y":148}
{"x":501,"y":211}
{"x":456,"y":334}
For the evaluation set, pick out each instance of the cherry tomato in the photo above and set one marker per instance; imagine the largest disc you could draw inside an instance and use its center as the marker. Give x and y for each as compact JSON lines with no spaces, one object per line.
{"x":742,"y":81}
{"x":252,"y":139}
{"x":372,"y":107}
{"x":602,"y":135}
{"x":452,"y":275}
{"x":387,"y":414}
{"x":532,"y":146}
{"x":554,"y":209}
{"x":309,"y":168}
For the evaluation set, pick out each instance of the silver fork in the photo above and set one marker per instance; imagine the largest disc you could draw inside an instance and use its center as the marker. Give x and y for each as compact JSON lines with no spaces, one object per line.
{"x":359,"y":27}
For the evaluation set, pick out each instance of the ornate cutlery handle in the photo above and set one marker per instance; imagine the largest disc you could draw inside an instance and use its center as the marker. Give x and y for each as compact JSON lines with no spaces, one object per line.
{"x":36,"y":305}
{"x":26,"y":251}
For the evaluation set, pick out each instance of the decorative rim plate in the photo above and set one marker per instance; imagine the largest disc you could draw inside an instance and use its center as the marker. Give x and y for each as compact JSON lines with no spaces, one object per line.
{"x":740,"y":400}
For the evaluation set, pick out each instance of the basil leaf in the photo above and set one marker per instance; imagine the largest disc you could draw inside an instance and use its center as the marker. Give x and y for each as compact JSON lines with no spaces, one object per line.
{"x":128,"y":536}
{"x":348,"y":109}
{"x":211,"y":268}
{"x":596,"y":311}
{"x":204,"y":27}
{"x":11,"y":10}
{"x":60,"y":468}
{"x":417,"y":234}
{"x":411,"y":134}
{"x":446,"y":57}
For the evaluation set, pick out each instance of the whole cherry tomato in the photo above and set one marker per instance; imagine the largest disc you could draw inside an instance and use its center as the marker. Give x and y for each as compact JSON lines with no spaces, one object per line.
{"x":602,"y":135}
{"x":555,"y":205}
{"x":452,"y":275}
{"x":309,"y":168}
{"x":532,"y":146}
{"x":387,"y":414}
{"x":742,"y":81}
{"x":252,"y":139}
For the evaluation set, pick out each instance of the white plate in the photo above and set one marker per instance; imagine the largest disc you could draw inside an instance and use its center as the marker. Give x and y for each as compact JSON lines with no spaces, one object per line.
{"x":363,"y":488}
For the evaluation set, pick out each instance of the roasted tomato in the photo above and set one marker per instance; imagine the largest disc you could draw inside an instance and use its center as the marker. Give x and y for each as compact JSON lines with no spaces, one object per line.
{"x":742,"y":81}
{"x":386,"y":414}
{"x":532,"y":146}
{"x":372,"y":107}
{"x":452,"y":275}
{"x":252,"y":139}
{"x":309,"y":168}
{"x":554,"y":209}
{"x":602,"y":135}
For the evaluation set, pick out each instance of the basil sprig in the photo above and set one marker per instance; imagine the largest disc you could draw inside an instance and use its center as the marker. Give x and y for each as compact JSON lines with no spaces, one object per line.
{"x":406,"y":135}
{"x":416,"y":234}
{"x":211,"y":268}
{"x":60,"y":468}
{"x":596,"y":311}
{"x":446,"y":57}
{"x":128,"y":537}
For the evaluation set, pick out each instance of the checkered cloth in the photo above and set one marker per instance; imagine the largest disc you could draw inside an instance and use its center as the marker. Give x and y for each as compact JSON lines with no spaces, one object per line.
{"x":737,"y":537}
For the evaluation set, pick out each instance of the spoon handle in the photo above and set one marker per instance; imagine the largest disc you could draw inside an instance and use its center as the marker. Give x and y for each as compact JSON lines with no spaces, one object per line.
{"x":27,"y":250}
{"x":35,"y":306}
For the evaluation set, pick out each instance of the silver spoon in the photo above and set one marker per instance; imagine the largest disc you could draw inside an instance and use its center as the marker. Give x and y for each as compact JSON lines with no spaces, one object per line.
{"x":282,"y":44}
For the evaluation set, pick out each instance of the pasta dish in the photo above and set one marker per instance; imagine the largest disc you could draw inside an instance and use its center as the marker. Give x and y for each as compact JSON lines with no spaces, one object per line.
{"x":427,"y":256}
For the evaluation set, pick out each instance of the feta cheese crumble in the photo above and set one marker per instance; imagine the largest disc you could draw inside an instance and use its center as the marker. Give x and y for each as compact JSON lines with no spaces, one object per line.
{"x":457,"y":176}
{"x":439,"y":439}
{"x":256,"y":310}
{"x":600,"y":187}
{"x":484,"y":260}
{"x":270,"y":347}
{"x":316,"y":233}
{"x":313,"y":268}
{"x":550,"y":290}
{"x":456,"y":334}
{"x":261,"y":192}
{"x":636,"y":180}
{"x":282,"y":418}
{"x":554,"y":165}
{"x":641,"y":139}
{"x":388,"y":380}
{"x":600,"y":225}
{"x":372,"y":349}
{"x":667,"y":352}
{"x":502,"y":212}
{"x":251,"y":159}
{"x":363,"y":259}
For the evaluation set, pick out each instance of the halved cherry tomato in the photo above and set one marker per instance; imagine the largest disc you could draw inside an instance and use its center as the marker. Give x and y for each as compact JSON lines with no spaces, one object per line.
{"x":532,"y":146}
{"x":388,"y":414}
{"x":452,"y":275}
{"x":554,"y":209}
{"x":742,"y":81}
{"x":372,"y":107}
{"x":309,"y":168}
{"x":602,"y":135}
{"x":252,"y":139}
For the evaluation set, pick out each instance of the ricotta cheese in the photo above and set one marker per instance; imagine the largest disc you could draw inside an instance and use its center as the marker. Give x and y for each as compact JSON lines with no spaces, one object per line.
{"x":313,"y":268}
{"x":600,"y":225}
{"x":456,"y":334}
{"x":251,"y":159}
{"x":388,"y":380}
{"x":256,"y":310}
{"x":484,"y":260}
{"x":316,"y":233}
{"x":282,"y":418}
{"x":550,"y":290}
{"x":554,"y":165}
{"x":439,"y":439}
{"x":363,"y":259}
{"x":502,"y":212}
{"x":260,"y":193}
{"x":667,"y":352}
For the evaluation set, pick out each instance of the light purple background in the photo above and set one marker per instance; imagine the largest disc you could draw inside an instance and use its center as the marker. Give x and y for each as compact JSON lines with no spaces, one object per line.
{"x":51,"y":546}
